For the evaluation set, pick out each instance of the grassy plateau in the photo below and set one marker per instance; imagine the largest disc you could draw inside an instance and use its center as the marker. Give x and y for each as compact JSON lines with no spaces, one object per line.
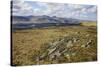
{"x":52,"y":45}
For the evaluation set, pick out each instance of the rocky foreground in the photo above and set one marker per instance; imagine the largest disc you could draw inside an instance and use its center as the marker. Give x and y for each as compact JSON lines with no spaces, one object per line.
{"x":76,"y":47}
{"x":54,"y":45}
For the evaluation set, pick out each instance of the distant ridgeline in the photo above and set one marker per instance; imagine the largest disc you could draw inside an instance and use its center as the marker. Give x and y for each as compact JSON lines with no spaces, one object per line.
{"x":28,"y":22}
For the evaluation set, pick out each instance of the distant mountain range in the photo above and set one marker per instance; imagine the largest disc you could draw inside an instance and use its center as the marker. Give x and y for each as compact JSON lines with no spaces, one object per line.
{"x":24,"y":22}
{"x":42,"y":19}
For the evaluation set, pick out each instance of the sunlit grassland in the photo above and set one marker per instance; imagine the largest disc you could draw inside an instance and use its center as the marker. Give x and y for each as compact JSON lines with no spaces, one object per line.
{"x":27,"y":42}
{"x":89,"y":23}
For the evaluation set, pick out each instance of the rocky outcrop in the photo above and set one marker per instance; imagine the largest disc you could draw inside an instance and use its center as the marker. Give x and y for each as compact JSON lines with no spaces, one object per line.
{"x":62,"y":49}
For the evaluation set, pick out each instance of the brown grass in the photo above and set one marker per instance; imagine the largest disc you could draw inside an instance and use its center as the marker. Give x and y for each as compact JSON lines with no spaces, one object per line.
{"x":26,"y":43}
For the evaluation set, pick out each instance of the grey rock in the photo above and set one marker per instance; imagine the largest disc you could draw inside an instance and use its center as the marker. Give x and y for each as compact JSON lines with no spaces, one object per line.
{"x":64,"y":51}
{"x":57,"y":54}
{"x":89,"y":42}
{"x":67,"y":56}
{"x":43,"y":55}
{"x":74,"y":40}
{"x":69,"y":44}
{"x":87,"y":35}
{"x":51,"y":50}
{"x":73,"y":54}
{"x":85,"y":46}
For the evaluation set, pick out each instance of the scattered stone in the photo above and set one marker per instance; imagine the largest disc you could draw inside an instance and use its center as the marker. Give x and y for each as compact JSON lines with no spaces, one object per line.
{"x":76,"y":32}
{"x":55,"y":43}
{"x":67,"y":56}
{"x":89,"y":42}
{"x":64,"y":51}
{"x":55,"y":54}
{"x":43,"y":55}
{"x":61,"y":48}
{"x":87,"y":35}
{"x":75,"y":40}
{"x":62,"y":40}
{"x":69,"y":44}
{"x":83,"y":45}
{"x":73,"y":54}
{"x":38,"y":60}
{"x":51,"y":50}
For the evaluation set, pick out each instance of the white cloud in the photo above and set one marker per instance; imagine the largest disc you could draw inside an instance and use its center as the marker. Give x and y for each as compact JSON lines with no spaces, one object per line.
{"x":55,"y":9}
{"x":73,"y":6}
{"x":93,"y":9}
{"x":21,"y":8}
{"x":50,"y":8}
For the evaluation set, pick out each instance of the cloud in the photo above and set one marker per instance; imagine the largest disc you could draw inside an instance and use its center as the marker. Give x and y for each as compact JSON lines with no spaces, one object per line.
{"x":45,"y":8}
{"x":21,"y":8}
{"x":85,"y":12}
{"x":93,"y":9}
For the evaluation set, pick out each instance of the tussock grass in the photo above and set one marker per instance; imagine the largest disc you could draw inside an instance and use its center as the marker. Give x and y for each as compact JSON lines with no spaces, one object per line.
{"x":27,"y":43}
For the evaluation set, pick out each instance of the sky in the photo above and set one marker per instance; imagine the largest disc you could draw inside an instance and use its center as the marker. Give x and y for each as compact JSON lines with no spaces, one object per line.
{"x":76,"y":11}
